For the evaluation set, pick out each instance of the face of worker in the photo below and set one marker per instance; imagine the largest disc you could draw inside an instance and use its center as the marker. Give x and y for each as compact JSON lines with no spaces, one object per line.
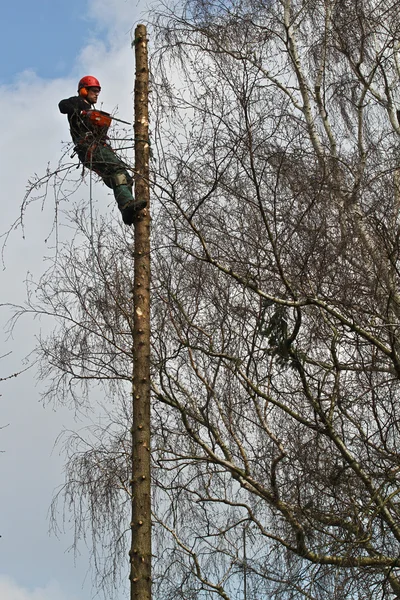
{"x":93,"y":94}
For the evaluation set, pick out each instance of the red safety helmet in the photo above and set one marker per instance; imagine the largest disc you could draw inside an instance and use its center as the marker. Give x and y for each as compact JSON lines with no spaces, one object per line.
{"x":88,"y":81}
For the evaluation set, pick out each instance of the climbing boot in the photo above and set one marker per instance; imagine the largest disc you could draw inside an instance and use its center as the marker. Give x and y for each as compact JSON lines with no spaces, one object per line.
{"x":127,"y":203}
{"x":130,"y":210}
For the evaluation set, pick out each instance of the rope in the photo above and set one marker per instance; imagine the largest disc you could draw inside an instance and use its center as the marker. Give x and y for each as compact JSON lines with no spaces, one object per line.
{"x":91,"y":217}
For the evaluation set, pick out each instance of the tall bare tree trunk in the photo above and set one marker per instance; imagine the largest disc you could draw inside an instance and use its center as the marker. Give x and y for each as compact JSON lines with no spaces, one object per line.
{"x":140,"y":554}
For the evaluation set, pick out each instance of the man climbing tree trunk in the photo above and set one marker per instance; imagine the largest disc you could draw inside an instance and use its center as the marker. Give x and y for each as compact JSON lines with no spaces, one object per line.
{"x":89,"y":129}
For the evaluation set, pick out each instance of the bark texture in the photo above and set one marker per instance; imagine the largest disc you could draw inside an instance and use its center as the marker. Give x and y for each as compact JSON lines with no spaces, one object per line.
{"x":140,"y":554}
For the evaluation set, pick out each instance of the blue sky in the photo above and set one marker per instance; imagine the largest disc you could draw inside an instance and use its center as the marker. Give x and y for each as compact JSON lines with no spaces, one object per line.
{"x":46,"y":46}
{"x":44,"y":36}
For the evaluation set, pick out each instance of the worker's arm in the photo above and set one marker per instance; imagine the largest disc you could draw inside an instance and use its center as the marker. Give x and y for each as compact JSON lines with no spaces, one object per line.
{"x":69,"y":106}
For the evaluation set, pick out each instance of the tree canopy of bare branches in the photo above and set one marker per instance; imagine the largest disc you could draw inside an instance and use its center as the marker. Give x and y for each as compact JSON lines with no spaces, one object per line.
{"x":277,"y":316}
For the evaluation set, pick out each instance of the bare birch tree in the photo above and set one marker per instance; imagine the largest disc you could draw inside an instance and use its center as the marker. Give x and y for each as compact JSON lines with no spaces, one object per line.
{"x":277,"y":350}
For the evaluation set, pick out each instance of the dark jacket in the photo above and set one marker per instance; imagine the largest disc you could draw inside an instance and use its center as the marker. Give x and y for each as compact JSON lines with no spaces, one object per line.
{"x":80,"y":127}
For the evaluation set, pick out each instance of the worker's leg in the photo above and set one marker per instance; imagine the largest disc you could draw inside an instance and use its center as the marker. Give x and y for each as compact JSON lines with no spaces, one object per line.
{"x":113,"y":171}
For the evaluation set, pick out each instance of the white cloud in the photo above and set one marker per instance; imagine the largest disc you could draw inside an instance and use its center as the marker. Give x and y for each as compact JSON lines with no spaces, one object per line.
{"x":119,"y":16}
{"x":10,"y":590}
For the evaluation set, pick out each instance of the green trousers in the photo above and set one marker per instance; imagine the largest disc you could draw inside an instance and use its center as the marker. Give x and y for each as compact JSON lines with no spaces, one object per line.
{"x":101,"y":158}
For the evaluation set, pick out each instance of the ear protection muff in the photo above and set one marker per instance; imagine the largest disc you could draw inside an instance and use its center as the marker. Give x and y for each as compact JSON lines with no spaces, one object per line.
{"x":83,"y":92}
